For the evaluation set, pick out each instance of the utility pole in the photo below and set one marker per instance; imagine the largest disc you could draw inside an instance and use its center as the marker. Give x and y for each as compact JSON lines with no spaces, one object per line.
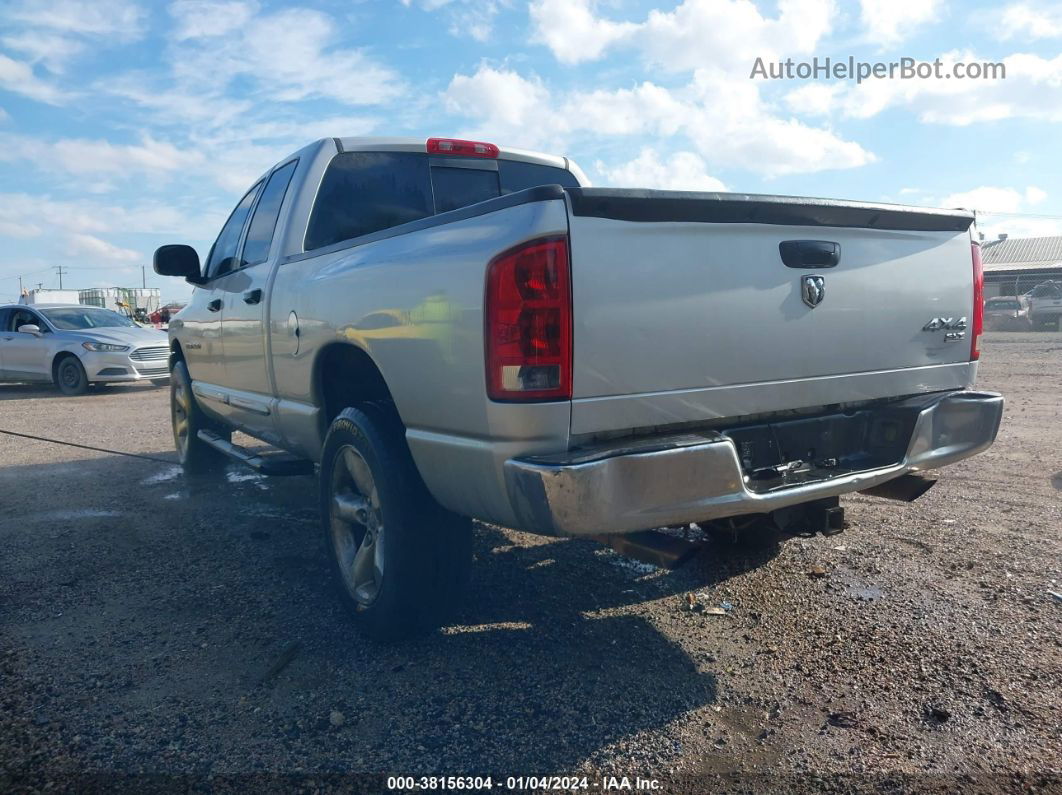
{"x":20,"y":286}
{"x":60,"y":270}
{"x":143,"y":277}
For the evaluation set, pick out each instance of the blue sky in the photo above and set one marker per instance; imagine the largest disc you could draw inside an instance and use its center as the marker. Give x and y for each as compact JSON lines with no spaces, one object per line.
{"x":126,"y":124}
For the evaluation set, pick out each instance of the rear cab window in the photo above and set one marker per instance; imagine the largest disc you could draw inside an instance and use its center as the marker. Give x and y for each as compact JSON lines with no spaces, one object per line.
{"x":366,"y":192}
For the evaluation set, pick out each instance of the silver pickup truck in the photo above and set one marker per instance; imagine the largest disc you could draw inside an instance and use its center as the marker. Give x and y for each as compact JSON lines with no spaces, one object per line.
{"x":449,"y":330}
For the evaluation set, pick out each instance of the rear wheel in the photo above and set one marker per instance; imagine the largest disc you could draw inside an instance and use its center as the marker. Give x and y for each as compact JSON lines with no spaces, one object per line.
{"x":70,"y":376}
{"x":399,"y":560}
{"x":194,"y":455}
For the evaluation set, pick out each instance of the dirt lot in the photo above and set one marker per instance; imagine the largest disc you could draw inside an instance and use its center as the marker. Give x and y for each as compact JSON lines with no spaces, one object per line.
{"x":150,"y":625}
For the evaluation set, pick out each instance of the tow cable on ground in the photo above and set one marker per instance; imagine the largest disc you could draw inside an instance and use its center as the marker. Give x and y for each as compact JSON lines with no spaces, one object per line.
{"x":87,"y":447}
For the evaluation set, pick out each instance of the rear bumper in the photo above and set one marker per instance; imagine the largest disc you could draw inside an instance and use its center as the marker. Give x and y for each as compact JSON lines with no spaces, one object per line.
{"x":693,"y":477}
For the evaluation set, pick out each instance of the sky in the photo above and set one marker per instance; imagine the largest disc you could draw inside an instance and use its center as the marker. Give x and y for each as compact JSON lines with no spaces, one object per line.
{"x":127,"y":124}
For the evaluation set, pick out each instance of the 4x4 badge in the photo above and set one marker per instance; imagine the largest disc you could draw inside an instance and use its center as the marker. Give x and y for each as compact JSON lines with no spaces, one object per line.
{"x":813,"y":290}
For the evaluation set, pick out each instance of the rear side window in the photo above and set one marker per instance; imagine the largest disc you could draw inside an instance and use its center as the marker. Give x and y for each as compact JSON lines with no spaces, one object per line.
{"x":264,"y":221}
{"x":516,"y":176}
{"x":364,"y":192}
{"x":1047,"y":291}
{"x":223,"y":254}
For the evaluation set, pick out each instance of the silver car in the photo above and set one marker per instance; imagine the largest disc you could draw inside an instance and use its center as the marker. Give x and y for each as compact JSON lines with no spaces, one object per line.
{"x":72,"y":346}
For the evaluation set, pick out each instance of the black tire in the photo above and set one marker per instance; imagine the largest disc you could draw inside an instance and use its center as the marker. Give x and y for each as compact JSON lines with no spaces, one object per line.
{"x":70,"y":376}
{"x":187,"y":419}
{"x":160,"y":382}
{"x":421,"y":554}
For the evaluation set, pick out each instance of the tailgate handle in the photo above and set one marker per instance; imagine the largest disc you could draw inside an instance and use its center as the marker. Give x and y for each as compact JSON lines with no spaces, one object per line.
{"x":809,"y":253}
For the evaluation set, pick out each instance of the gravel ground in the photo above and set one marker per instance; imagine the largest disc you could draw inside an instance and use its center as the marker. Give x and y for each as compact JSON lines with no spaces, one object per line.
{"x":157,"y":633}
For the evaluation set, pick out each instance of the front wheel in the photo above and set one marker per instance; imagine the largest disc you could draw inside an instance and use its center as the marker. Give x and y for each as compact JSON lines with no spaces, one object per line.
{"x":70,"y":376}
{"x":398,"y":559}
{"x":187,"y":419}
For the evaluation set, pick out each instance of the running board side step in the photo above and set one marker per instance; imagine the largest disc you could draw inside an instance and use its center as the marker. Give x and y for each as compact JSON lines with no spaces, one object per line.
{"x":273,"y":464}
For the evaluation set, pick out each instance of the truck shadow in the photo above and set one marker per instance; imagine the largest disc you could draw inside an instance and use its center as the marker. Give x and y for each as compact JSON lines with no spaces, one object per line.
{"x":203,"y":611}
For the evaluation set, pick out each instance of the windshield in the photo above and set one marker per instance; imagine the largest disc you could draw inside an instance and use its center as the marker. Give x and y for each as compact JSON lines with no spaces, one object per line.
{"x":79,"y":318}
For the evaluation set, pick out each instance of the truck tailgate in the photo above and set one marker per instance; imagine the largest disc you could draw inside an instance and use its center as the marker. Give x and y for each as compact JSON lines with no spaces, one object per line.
{"x":684,"y":309}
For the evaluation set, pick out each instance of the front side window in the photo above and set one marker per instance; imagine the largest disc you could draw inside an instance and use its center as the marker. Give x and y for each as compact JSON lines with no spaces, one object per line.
{"x":23,"y":317}
{"x":264,"y":221}
{"x":223,"y":254}
{"x":364,"y":192}
{"x":86,"y":317}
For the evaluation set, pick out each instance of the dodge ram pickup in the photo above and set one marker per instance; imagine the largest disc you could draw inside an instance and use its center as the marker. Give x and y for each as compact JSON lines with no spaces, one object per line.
{"x":449,"y":330}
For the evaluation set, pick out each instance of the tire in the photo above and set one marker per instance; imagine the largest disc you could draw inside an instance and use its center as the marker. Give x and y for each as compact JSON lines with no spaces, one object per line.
{"x":399,"y":561}
{"x":160,"y":382}
{"x":187,"y":419}
{"x":70,"y":376}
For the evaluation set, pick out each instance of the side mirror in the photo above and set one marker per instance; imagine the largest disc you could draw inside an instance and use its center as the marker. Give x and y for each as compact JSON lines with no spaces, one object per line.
{"x":177,"y":260}
{"x":30,"y":328}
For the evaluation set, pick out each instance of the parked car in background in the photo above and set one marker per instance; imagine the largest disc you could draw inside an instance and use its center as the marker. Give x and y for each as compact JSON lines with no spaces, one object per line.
{"x":73,"y":346}
{"x":451,"y":329}
{"x":1045,"y":304}
{"x":1007,"y":313}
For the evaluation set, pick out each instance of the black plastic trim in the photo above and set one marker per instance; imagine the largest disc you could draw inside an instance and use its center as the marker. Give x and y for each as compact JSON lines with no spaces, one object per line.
{"x":538,"y":194}
{"x":746,"y":208}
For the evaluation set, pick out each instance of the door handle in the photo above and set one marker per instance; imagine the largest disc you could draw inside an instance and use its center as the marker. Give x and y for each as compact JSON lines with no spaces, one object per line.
{"x":214,"y":305}
{"x":252,"y":296}
{"x":809,"y":253}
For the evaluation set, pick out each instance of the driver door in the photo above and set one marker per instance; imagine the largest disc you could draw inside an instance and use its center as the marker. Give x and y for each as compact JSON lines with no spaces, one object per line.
{"x":25,"y":356}
{"x":199,"y":324}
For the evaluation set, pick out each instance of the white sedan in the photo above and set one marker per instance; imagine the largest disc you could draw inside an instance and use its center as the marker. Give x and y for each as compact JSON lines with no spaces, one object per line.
{"x":72,"y":346}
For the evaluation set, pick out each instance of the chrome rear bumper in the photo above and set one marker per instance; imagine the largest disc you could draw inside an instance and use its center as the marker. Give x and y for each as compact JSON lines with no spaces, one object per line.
{"x":684,"y":478}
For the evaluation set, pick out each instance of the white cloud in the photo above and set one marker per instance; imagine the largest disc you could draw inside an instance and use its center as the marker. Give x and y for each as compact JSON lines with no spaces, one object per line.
{"x":82,"y":156}
{"x":289,"y":56}
{"x":724,"y":34}
{"x":1030,"y":21}
{"x":51,"y":50}
{"x":814,"y":99}
{"x":53,"y":33}
{"x":988,"y":199}
{"x":207,"y":18}
{"x":718,"y":118}
{"x":121,"y":19}
{"x":572,"y":32}
{"x":25,"y":215}
{"x":95,"y":249}
{"x":1032,"y":89}
{"x":889,"y":22}
{"x":18,"y":78}
{"x":681,"y":171}
{"x":499,"y":97}
{"x":1000,"y":210}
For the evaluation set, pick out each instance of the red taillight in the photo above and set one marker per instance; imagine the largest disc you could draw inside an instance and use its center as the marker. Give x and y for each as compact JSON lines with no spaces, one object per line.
{"x":528,"y":328}
{"x":455,"y":146}
{"x":979,"y":304}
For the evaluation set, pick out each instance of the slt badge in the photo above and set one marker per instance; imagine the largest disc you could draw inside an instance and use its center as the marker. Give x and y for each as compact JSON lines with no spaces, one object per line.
{"x":813,"y":290}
